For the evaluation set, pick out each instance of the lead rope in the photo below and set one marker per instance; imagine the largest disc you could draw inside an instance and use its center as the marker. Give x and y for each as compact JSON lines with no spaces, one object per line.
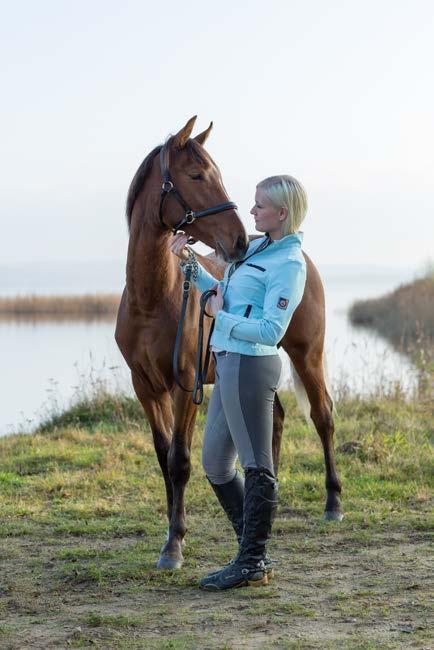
{"x":201,"y":371}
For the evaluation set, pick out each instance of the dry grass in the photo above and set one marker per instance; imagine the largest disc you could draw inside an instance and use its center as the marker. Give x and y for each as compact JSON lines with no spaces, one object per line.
{"x":60,"y":307}
{"x":83,"y":516}
{"x":405,"y":316}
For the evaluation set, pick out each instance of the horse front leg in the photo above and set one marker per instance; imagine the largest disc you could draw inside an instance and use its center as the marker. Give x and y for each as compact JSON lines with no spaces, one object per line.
{"x":158,"y":409}
{"x":179,"y":467}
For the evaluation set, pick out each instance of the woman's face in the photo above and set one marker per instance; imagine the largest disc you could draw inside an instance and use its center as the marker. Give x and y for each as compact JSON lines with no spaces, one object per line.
{"x":266,"y":215}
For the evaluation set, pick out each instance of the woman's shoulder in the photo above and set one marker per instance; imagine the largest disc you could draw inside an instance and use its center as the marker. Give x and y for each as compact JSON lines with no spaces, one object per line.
{"x":287,"y":259}
{"x":255,"y":241}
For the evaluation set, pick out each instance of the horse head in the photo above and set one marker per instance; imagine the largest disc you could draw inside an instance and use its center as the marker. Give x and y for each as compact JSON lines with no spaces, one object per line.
{"x":198,"y":184}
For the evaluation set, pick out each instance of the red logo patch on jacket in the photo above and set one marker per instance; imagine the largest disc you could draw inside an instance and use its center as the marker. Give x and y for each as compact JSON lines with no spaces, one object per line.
{"x":282,"y":303}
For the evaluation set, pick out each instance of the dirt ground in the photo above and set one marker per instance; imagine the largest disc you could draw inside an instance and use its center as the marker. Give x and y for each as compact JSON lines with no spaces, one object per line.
{"x":335,"y":589}
{"x":83,"y":517}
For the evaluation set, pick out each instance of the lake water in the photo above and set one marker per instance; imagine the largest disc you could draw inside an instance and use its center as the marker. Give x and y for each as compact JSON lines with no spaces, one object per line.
{"x":44,"y":364}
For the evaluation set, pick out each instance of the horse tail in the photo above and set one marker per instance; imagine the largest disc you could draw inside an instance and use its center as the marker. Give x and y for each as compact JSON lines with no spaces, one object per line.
{"x":328,"y":383}
{"x":300,"y":391}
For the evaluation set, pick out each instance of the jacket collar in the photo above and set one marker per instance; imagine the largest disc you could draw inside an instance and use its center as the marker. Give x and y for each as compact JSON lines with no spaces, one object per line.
{"x":288,"y":240}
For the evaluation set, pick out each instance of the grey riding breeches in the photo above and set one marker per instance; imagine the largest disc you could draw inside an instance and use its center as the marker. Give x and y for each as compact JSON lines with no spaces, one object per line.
{"x":240,"y":414}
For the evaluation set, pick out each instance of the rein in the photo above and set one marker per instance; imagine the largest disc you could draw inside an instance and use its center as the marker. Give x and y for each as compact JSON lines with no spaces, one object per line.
{"x":190,"y":215}
{"x":201,"y":371}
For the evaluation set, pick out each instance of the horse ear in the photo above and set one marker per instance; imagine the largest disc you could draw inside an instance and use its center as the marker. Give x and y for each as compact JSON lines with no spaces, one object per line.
{"x":182,"y":136}
{"x":202,"y":137}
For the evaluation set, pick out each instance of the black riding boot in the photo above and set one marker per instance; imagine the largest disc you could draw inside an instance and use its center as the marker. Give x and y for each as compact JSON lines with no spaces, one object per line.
{"x":260,"y":505}
{"x":231,"y":498}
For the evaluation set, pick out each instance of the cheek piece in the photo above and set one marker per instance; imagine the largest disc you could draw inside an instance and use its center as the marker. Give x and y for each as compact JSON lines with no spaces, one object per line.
{"x":168,"y":187}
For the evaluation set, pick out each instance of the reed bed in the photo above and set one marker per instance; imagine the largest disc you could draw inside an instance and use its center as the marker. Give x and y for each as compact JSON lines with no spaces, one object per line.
{"x":405,"y":316}
{"x":60,"y":307}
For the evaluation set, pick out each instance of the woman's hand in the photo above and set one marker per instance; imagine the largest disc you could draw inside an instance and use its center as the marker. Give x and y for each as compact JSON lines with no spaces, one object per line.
{"x":177,"y":245}
{"x":216,"y":302}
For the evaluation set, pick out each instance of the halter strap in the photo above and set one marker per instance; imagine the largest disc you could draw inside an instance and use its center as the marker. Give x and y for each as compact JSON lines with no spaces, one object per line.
{"x":169,"y":187}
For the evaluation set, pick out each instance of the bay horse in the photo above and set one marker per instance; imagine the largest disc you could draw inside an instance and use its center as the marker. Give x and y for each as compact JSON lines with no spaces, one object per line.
{"x":149,"y":311}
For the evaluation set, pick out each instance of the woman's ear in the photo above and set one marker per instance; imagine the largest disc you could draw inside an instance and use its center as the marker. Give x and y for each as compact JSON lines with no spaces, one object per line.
{"x":283,"y":212}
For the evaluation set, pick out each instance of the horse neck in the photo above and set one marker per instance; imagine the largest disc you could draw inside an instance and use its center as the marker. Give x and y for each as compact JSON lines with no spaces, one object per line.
{"x":150,"y":271}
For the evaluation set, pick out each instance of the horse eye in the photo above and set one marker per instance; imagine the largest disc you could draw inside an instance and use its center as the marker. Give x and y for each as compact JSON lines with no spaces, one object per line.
{"x":197,"y":177}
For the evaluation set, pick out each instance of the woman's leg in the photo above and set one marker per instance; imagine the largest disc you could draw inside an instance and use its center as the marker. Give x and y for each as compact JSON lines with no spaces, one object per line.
{"x":218,"y":452}
{"x":247,"y":387}
{"x":218,"y":459}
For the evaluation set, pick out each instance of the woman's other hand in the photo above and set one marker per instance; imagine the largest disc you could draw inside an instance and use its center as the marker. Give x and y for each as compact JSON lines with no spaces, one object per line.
{"x":177,"y":245}
{"x":216,"y":302}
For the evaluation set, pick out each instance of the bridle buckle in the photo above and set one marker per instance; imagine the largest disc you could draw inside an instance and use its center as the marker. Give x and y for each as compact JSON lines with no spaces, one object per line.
{"x":167,"y":186}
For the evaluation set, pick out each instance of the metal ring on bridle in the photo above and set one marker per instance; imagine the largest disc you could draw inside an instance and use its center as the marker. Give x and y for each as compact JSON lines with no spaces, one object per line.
{"x":167,"y":186}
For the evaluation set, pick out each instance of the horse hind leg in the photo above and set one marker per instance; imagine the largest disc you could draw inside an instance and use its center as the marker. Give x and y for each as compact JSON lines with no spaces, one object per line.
{"x":278,"y":420}
{"x":311,"y":375}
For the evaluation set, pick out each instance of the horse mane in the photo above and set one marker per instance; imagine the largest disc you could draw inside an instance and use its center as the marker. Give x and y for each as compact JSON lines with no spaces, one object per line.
{"x":144,"y":170}
{"x":138,"y":180}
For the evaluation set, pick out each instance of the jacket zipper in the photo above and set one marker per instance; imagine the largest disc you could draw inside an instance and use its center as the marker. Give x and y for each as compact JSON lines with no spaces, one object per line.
{"x":248,"y":310}
{"x":257,"y":250}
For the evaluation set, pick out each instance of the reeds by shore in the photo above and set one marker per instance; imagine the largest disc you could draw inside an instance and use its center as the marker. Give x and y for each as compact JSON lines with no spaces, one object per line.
{"x":60,"y":307}
{"x":404,"y":316}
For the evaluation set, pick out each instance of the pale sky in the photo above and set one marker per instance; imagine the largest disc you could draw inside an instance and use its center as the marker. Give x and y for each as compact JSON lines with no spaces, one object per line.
{"x":338,"y":94}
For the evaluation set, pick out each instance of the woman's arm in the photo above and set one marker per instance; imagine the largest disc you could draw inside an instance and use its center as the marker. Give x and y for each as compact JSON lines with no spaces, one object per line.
{"x":284,"y":292}
{"x":204,"y":280}
{"x":199,"y":276}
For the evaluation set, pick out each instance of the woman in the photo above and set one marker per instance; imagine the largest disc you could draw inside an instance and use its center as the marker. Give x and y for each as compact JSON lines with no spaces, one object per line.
{"x":252,"y":310}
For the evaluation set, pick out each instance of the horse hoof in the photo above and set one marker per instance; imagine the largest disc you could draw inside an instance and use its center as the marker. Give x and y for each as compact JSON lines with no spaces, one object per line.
{"x":169,"y":562}
{"x":333,"y":515}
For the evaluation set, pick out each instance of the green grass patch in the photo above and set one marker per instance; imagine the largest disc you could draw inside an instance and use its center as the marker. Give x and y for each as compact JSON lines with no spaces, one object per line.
{"x":83,"y":517}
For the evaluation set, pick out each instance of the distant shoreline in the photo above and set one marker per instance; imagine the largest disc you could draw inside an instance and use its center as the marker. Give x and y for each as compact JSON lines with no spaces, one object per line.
{"x":404,"y":316}
{"x":86,"y":306}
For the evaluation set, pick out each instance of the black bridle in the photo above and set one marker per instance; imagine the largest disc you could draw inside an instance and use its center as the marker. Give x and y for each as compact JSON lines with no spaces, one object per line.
{"x":169,"y":188}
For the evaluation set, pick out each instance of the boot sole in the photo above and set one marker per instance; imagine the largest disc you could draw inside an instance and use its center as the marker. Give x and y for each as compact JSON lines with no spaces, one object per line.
{"x":269,"y":574}
{"x":245,"y":583}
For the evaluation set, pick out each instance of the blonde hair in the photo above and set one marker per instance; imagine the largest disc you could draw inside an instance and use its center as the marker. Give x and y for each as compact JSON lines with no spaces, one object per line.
{"x":286,"y":192}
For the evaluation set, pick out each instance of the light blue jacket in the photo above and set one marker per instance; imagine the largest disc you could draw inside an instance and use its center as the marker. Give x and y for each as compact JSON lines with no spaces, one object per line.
{"x":259,"y":298}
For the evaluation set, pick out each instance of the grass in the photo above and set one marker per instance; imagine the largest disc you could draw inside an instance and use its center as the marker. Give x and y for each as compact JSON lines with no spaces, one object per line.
{"x":82,"y":511}
{"x":59,"y":307}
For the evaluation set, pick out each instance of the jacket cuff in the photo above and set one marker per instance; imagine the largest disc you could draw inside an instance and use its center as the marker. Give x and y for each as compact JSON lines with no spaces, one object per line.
{"x":225,"y":322}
